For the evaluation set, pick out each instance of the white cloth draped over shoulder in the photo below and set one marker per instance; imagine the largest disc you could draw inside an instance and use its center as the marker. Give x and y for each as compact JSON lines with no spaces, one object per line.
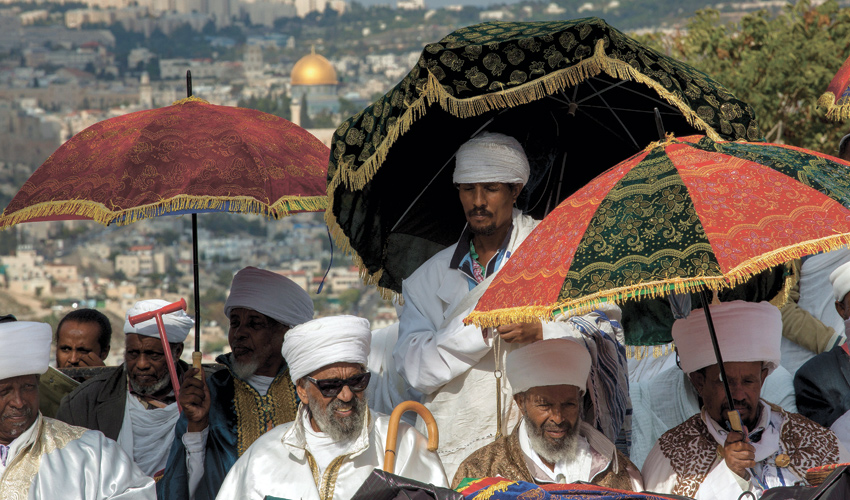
{"x":277,"y":464}
{"x":52,"y":459}
{"x":146,"y":434}
{"x":668,"y":399}
{"x":453,"y":364}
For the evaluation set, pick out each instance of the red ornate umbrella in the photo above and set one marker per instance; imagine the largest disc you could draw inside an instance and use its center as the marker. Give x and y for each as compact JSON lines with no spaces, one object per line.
{"x":680,"y":216}
{"x":836,"y":99}
{"x":190,"y":157}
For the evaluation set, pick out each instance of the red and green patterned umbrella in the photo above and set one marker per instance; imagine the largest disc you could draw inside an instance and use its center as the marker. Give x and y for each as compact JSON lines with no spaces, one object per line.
{"x":682,"y":215}
{"x":836,"y":99}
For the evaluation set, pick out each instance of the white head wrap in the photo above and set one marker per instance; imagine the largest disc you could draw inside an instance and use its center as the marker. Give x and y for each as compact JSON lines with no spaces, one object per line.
{"x":746,"y":331}
{"x":321,"y":342}
{"x":548,"y":362}
{"x":276,"y":296}
{"x":840,"y":279}
{"x":177,"y":324}
{"x":24,"y":348}
{"x":491,"y":157}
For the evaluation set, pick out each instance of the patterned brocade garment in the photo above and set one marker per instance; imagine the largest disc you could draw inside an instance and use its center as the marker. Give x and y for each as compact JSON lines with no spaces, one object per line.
{"x":692,"y":451}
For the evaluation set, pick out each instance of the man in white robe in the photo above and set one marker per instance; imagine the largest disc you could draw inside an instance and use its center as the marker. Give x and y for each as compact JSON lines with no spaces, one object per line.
{"x":43,"y":458}
{"x":551,"y":444}
{"x":135,"y":404}
{"x":335,"y":441}
{"x":703,"y":458}
{"x":457,"y":367}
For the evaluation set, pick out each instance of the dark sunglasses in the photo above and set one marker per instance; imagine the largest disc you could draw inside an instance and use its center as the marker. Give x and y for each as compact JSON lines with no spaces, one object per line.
{"x":331,"y":387}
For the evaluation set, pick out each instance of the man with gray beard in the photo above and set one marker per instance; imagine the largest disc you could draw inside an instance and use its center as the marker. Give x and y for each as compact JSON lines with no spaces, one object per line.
{"x":551,"y":443}
{"x":135,"y":403}
{"x":225,"y":413}
{"x":335,"y":441}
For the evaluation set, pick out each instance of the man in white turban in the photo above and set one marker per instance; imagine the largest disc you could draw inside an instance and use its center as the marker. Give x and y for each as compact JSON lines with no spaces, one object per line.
{"x":823,"y":383}
{"x":551,"y":444}
{"x":225,"y":413}
{"x":454,"y":365}
{"x":135,"y":404}
{"x":336,"y":441}
{"x":45,"y":458}
{"x":704,"y":458}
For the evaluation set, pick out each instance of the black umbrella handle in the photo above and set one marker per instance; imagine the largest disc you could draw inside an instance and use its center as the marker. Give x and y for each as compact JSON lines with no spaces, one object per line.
{"x":733,"y":415}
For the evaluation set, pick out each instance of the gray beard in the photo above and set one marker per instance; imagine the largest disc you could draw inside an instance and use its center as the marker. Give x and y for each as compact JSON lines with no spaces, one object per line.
{"x":562,"y":450}
{"x":150,"y":389}
{"x":245,"y":370}
{"x":344,"y":429}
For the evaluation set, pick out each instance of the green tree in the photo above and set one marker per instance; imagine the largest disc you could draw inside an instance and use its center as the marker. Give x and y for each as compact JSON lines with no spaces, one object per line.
{"x":780,"y":65}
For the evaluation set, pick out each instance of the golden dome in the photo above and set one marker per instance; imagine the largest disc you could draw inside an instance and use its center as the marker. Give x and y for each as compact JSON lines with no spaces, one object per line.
{"x":313,"y":69}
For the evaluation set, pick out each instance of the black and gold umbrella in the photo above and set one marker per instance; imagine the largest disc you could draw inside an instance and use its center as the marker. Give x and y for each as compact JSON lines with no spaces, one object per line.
{"x":579,"y":95}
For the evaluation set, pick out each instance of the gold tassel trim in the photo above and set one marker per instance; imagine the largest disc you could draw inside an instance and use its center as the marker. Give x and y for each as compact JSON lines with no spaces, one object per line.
{"x":474,"y":106}
{"x":99,"y":213}
{"x":191,"y":98}
{"x":639,"y":352}
{"x":584,"y":305}
{"x":493,"y":489}
{"x":834,"y":112}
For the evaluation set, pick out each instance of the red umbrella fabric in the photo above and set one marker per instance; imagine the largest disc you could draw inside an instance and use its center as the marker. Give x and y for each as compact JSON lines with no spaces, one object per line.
{"x":836,"y":99}
{"x":679,"y":216}
{"x":190,"y":157}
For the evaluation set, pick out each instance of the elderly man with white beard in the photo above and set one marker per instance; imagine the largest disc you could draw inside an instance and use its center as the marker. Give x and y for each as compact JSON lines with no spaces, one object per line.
{"x":335,"y":441}
{"x":225,"y":413}
{"x":551,"y":443}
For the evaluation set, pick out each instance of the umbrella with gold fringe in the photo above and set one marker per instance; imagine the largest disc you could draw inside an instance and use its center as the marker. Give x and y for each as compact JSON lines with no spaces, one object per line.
{"x":836,"y":99}
{"x":579,"y":95}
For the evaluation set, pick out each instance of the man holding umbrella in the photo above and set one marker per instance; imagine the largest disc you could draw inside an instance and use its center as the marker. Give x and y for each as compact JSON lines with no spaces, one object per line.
{"x":225,"y":413}
{"x":458,"y":367}
{"x":703,"y":458}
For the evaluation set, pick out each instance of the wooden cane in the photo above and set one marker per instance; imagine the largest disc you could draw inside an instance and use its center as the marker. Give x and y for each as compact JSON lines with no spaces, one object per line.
{"x":392,"y":431}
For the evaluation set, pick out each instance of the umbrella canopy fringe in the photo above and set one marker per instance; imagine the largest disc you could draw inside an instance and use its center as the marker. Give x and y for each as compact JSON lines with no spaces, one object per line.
{"x":87,"y":209}
{"x":639,"y":352}
{"x":834,"y":112}
{"x":749,"y":268}
{"x":435,"y":93}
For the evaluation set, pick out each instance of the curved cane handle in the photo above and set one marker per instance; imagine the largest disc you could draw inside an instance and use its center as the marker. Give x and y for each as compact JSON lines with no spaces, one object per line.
{"x":392,"y":431}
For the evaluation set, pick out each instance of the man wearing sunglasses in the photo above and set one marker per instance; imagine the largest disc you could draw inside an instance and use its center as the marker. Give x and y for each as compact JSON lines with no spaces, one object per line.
{"x":335,"y":441}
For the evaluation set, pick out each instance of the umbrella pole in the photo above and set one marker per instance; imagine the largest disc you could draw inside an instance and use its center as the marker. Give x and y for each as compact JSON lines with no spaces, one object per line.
{"x":733,"y":415}
{"x":196,"y":356}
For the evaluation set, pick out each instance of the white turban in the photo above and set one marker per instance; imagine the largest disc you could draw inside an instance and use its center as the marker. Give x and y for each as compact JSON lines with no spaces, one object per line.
{"x":746,"y":331}
{"x":321,"y":342}
{"x":840,"y":279}
{"x":548,"y":362}
{"x":276,"y":296}
{"x":491,"y":157}
{"x":24,"y":348}
{"x":177,"y":324}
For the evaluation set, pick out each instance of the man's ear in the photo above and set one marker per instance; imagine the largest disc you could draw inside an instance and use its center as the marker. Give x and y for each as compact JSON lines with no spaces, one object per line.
{"x":763,"y":374}
{"x":302,"y":392}
{"x":104,"y":353}
{"x":178,"y":351}
{"x":839,"y":308}
{"x":519,"y":399}
{"x":515,"y":190}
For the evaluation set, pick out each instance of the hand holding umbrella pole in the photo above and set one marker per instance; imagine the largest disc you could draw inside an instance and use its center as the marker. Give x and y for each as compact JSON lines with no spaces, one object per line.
{"x":157,"y":314}
{"x":392,"y":431}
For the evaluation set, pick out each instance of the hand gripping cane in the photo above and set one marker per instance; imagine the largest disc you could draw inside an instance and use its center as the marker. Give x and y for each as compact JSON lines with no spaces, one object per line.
{"x":157,"y":314}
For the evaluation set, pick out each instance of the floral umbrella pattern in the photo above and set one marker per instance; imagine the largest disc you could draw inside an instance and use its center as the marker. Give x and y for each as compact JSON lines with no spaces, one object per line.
{"x":682,"y":214}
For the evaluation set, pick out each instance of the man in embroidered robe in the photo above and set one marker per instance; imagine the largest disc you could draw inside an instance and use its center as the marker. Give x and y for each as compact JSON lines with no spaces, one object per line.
{"x":43,"y":458}
{"x":822,"y":394}
{"x":228,"y":411}
{"x":135,"y":403}
{"x":336,"y":441}
{"x":551,"y":444}
{"x":452,"y":364}
{"x":703,"y":458}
